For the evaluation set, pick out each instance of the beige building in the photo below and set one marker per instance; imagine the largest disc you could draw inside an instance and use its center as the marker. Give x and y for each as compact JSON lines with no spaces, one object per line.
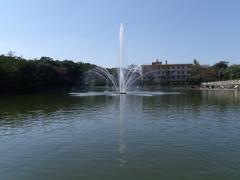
{"x":160,"y":72}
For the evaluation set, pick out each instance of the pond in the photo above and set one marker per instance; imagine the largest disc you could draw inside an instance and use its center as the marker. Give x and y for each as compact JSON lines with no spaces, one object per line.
{"x":185,"y":135}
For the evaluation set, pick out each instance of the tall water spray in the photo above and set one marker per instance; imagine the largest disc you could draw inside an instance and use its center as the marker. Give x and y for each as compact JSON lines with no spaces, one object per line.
{"x":121,"y":71}
{"x":126,"y":76}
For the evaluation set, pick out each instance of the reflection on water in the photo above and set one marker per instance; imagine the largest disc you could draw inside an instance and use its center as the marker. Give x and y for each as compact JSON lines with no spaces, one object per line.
{"x":186,"y":135}
{"x":122,"y":145}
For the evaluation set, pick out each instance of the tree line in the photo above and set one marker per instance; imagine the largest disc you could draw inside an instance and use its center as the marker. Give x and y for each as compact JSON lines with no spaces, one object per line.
{"x":21,"y":75}
{"x":220,"y":71}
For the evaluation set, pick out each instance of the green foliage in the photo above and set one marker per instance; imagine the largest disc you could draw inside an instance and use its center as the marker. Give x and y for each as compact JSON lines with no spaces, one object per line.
{"x":219,"y":71}
{"x":19,"y":75}
{"x":221,"y":65}
{"x":233,"y":72}
{"x":196,"y":67}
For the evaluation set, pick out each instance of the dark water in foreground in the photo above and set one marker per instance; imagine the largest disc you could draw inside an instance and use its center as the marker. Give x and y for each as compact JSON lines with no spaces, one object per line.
{"x":193,"y":135}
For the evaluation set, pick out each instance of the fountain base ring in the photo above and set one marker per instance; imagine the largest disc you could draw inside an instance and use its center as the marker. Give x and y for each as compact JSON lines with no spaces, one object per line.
{"x":121,"y":93}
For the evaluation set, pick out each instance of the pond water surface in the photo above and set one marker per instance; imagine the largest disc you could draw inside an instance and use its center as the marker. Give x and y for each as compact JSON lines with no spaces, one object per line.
{"x":186,"y":135}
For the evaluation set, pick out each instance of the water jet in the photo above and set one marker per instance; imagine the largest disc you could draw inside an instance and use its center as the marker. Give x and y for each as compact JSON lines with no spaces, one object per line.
{"x":125,"y":77}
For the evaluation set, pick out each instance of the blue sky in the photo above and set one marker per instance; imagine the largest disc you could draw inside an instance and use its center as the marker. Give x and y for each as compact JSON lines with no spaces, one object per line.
{"x":87,"y":30}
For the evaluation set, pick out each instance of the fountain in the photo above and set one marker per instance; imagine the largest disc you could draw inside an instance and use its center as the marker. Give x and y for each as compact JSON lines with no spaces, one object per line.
{"x":125,"y":76}
{"x":121,"y":73}
{"x":121,"y":78}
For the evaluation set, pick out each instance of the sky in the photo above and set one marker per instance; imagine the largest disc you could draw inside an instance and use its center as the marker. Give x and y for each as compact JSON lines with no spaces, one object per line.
{"x":87,"y":30}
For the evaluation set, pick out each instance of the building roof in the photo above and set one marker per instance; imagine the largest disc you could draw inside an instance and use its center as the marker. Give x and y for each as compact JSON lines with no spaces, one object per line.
{"x":168,"y":64}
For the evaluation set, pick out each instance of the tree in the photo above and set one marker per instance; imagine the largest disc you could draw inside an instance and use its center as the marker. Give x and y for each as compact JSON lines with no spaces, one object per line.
{"x":220,"y":68}
{"x":233,"y":72}
{"x":19,"y":75}
{"x":196,"y":63}
{"x":221,"y":65}
{"x":196,"y":67}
